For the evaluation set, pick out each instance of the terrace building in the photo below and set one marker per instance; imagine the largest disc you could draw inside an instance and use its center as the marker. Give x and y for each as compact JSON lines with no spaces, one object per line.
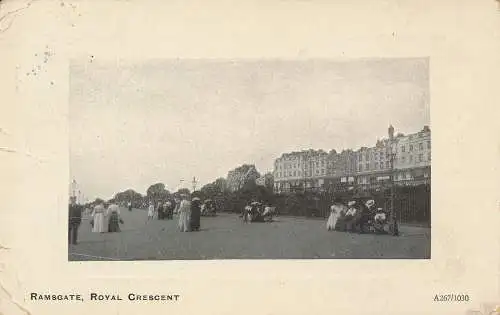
{"x":365,"y":167}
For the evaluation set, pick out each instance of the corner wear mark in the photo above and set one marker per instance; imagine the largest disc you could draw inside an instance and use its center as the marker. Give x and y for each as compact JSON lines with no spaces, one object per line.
{"x":13,"y":13}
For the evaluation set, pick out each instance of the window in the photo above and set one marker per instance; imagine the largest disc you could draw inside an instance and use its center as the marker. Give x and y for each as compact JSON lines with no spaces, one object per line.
{"x":317,"y":172}
{"x":421,"y":158}
{"x":421,"y":146}
{"x":410,"y":159}
{"x":403,"y":159}
{"x":294,"y":173}
{"x":367,"y":166}
{"x":359,"y":157}
{"x":411,"y":147}
{"x":376,"y":165}
{"x":403,"y":148}
{"x":388,"y":164}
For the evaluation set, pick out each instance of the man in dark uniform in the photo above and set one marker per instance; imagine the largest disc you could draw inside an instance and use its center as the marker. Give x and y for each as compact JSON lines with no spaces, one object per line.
{"x":75,"y":218}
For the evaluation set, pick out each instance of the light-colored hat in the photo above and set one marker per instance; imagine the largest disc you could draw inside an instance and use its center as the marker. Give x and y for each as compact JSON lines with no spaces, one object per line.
{"x":379,"y":209}
{"x":351,"y":203}
{"x":196,"y":198}
{"x":370,"y":203}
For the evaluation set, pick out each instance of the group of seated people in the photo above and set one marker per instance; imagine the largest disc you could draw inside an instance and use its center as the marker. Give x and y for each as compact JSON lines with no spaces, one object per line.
{"x":356,"y":217}
{"x":208,"y":207}
{"x":257,"y":211}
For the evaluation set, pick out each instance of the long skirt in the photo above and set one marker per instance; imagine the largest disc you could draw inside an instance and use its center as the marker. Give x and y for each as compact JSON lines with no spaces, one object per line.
{"x":99,"y":223}
{"x":332,"y":221}
{"x":114,"y":223}
{"x":184,"y":225}
{"x":195,"y":219}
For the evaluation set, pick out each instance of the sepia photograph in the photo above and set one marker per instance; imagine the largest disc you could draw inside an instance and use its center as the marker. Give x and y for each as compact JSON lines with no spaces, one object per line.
{"x":196,"y":159}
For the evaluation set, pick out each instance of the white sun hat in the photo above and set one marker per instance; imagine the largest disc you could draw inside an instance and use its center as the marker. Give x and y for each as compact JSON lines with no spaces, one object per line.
{"x":370,"y":203}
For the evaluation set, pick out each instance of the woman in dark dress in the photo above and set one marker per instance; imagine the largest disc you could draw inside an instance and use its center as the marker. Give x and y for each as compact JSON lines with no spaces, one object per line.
{"x":114,"y":219}
{"x":195,"y":214}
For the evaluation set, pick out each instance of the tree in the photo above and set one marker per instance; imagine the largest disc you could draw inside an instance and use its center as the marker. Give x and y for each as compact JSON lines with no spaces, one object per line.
{"x":211,"y":190}
{"x":157,"y":191}
{"x":221,"y":183}
{"x":129,"y":195}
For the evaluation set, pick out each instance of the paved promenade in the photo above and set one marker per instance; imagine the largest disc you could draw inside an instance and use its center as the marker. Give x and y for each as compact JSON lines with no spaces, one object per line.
{"x":226,"y":237}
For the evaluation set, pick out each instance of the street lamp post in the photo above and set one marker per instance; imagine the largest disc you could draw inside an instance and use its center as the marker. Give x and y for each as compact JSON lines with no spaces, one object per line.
{"x":394,"y":229}
{"x":194,"y":184}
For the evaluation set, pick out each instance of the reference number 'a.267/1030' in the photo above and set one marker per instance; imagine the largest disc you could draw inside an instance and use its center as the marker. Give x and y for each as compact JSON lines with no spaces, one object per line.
{"x":451,"y":298}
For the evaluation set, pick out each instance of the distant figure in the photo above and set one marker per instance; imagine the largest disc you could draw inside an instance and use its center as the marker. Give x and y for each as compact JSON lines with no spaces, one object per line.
{"x":129,"y":206}
{"x":75,"y":219}
{"x":114,"y":218}
{"x":337,"y":210}
{"x":159,"y":211}
{"x":195,"y":214}
{"x":151,"y":211}
{"x":350,"y":215}
{"x":177,"y":205}
{"x":168,"y":209}
{"x":246,"y":214}
{"x":184,"y":214}
{"x":99,"y":219}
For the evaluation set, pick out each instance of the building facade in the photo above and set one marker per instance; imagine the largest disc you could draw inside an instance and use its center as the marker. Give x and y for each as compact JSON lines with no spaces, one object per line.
{"x":412,"y":164}
{"x":407,"y":157}
{"x":267,"y":180}
{"x":299,"y":170}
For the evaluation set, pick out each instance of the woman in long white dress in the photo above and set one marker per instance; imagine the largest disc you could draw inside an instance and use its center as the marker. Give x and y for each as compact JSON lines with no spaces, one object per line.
{"x":184,"y":214}
{"x":336,"y":211}
{"x":99,"y":219}
{"x":151,"y":211}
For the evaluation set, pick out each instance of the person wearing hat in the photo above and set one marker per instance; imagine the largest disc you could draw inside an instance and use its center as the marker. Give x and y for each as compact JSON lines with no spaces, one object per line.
{"x":159,"y":211}
{"x":379,"y":219}
{"x":352,"y":216}
{"x":171,"y":207}
{"x":114,"y":218}
{"x":195,"y":214}
{"x":74,"y":221}
{"x":99,"y":219}
{"x":151,"y":210}
{"x":184,"y":214}
{"x":337,"y":210}
{"x":367,"y":213}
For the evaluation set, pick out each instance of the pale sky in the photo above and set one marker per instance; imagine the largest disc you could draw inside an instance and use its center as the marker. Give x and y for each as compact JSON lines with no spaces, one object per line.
{"x":132,"y":125}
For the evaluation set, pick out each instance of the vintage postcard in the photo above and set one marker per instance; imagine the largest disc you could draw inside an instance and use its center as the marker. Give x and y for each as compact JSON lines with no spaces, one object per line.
{"x":282,"y":157}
